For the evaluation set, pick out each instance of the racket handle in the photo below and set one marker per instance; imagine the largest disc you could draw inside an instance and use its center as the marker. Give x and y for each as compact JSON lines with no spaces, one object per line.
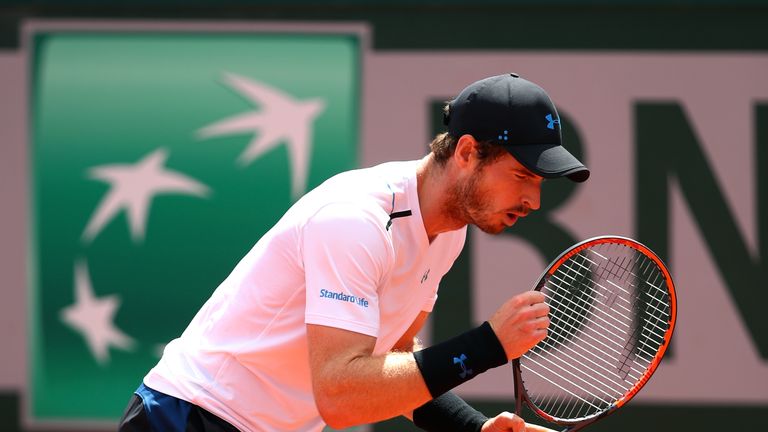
{"x":518,"y":387}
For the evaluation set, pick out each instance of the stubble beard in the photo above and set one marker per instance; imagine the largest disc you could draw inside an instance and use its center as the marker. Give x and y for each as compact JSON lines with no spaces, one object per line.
{"x":469,"y":204}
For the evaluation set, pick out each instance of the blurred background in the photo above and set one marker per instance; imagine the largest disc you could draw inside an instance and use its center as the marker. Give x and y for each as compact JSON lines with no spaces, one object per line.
{"x":127,"y":196}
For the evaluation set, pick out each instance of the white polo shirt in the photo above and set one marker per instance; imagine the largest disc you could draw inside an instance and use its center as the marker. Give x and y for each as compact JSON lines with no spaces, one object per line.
{"x":337,"y":259}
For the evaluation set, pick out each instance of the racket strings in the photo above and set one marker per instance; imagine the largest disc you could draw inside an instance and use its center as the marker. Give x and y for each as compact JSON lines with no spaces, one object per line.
{"x":614,"y":273}
{"x":581,"y":379}
{"x":609,"y":334}
{"x":580,"y":358}
{"x":609,"y":313}
{"x":586,"y":370}
{"x":662,"y":318}
{"x":647,"y":263}
{"x":634,"y":335}
{"x":577,"y":338}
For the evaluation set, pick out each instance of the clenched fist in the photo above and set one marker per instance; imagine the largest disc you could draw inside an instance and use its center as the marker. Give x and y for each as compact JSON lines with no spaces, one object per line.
{"x":521,"y":323}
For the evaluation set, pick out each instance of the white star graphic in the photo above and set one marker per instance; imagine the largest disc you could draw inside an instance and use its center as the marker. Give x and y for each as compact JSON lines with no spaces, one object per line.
{"x":282,"y":119}
{"x":93,"y":317}
{"x":133,"y":187}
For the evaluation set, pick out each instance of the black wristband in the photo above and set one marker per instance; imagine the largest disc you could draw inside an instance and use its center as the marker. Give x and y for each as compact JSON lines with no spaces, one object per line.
{"x":450,"y":363}
{"x":448,"y":413}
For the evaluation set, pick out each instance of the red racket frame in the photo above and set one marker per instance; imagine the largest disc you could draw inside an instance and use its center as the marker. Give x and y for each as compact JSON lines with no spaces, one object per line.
{"x":574,"y":425}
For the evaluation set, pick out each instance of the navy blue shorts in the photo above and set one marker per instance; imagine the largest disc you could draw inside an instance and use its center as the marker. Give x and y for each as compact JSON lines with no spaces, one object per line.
{"x":152,"y":411}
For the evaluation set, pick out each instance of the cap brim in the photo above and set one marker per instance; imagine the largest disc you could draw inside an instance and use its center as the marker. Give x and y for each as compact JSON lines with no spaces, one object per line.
{"x":549,"y":161}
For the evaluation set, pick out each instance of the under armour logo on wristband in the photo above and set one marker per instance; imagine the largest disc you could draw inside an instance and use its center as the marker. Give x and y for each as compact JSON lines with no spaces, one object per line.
{"x":464,"y":370}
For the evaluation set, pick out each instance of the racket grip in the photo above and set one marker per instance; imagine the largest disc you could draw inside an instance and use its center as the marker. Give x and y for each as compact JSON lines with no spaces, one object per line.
{"x":518,"y":387}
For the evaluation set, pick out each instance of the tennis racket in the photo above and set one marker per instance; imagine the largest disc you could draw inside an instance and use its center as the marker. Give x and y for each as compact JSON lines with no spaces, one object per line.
{"x":612,"y":313}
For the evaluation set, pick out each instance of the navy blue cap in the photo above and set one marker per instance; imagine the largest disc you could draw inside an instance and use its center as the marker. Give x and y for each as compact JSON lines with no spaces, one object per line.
{"x":518,"y":115}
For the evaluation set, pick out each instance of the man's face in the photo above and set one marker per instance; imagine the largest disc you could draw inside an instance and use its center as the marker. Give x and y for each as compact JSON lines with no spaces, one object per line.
{"x":495,"y":195}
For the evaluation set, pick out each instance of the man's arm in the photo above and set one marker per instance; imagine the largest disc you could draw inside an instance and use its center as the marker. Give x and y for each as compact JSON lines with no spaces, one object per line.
{"x":352,"y":386}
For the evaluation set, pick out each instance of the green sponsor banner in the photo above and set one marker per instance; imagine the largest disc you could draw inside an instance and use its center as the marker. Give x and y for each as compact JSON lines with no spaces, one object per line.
{"x":158,"y":160}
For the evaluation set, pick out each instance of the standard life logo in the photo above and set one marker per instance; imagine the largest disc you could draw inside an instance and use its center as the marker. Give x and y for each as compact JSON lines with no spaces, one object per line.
{"x":340,"y":296}
{"x":158,"y":161}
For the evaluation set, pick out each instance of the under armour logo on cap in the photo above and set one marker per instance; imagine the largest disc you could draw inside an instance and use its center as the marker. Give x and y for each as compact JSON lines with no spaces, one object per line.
{"x":552,"y":122}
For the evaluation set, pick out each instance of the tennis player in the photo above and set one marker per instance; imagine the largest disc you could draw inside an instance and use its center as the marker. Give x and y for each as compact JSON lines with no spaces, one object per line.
{"x":317,"y":324}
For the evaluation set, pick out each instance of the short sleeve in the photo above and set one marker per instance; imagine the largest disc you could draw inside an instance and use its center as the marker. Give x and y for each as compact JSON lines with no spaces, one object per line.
{"x":346,"y":252}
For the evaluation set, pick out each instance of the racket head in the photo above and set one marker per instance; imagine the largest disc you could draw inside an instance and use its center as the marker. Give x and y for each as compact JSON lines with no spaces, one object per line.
{"x":613,"y":310}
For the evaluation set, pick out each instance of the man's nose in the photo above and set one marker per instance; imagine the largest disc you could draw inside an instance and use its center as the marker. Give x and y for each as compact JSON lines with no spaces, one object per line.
{"x":532,"y":197}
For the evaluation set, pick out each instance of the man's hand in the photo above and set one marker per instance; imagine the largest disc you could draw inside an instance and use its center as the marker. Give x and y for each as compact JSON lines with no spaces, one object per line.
{"x":509,"y":422}
{"x":521,"y":323}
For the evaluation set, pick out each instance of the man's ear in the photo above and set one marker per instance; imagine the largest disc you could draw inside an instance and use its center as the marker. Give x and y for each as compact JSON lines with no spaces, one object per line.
{"x":465,"y":155}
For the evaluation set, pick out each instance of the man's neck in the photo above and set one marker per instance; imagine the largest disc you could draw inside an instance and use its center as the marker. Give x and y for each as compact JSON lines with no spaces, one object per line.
{"x":433,"y":182}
